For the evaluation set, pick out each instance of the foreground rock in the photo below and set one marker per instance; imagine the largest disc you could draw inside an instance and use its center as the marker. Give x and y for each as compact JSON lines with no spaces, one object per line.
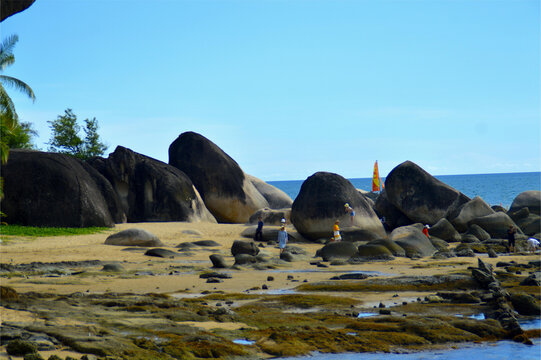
{"x":413,"y":241}
{"x":150,"y":190}
{"x":134,"y":237}
{"x":50,"y":189}
{"x":321,"y":201}
{"x":419,"y":195}
{"x":227,"y":191}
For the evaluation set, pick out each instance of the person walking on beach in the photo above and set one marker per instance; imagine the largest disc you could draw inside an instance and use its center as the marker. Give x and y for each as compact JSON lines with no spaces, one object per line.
{"x":259,"y":231}
{"x":425,"y":230}
{"x":351,"y":212}
{"x":511,"y":237}
{"x":336,"y":231}
{"x":282,"y":238}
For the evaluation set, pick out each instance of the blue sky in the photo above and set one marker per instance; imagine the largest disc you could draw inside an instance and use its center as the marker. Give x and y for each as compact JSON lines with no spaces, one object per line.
{"x":289,"y":88}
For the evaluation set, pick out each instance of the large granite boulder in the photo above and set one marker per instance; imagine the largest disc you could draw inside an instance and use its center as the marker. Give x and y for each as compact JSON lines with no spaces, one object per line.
{"x":231,"y":195}
{"x":478,"y":232}
{"x":321,"y":202}
{"x":271,"y":216}
{"x":276,"y":198}
{"x":337,"y":250}
{"x":389,"y":213}
{"x":134,"y":237}
{"x":393,"y":247}
{"x":443,"y":229}
{"x":151,"y":190}
{"x":530,"y":199}
{"x":419,"y":195}
{"x":374,"y":252}
{"x":244,"y":247}
{"x":530,"y":225}
{"x":413,"y":241}
{"x":495,"y":224}
{"x":474,"y":208}
{"x":51,"y":189}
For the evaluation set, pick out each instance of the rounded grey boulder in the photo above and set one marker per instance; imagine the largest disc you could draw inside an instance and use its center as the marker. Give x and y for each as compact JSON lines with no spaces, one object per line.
{"x":134,"y":237}
{"x":530,"y":199}
{"x":337,"y":250}
{"x":413,"y":241}
{"x":474,"y":208}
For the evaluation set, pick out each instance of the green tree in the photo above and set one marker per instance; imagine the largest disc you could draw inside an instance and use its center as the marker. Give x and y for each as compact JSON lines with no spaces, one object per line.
{"x":65,"y":137}
{"x":9,"y":121}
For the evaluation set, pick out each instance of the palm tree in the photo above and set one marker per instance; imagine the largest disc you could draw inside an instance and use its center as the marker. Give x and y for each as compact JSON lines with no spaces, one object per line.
{"x":9,"y":121}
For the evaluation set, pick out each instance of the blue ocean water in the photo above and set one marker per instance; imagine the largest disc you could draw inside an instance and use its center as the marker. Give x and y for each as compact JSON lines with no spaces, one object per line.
{"x":495,"y":189}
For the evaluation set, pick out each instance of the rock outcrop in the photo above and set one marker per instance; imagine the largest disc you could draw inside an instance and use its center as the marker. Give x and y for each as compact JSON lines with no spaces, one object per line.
{"x":419,"y":195}
{"x":473,"y":209}
{"x":150,"y":190}
{"x":321,"y":201}
{"x":530,"y":199}
{"x":495,"y":224}
{"x":134,"y":237}
{"x":413,"y":241}
{"x":51,"y":189}
{"x":229,"y":194}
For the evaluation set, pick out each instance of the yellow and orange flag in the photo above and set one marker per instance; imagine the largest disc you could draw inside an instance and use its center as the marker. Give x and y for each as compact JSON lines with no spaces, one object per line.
{"x":377,"y":185}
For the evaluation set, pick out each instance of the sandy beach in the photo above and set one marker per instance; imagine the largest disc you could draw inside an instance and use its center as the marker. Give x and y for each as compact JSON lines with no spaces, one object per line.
{"x":179,"y":277}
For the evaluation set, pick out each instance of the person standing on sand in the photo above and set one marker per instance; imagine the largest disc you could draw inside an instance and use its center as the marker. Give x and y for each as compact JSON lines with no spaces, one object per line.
{"x":511,"y":237}
{"x":282,"y":238}
{"x":425,"y":230}
{"x":336,"y":231}
{"x":351,"y":212}
{"x":259,"y":231}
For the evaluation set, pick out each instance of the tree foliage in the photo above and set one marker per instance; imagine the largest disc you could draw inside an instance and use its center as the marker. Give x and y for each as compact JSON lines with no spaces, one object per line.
{"x":65,"y":137}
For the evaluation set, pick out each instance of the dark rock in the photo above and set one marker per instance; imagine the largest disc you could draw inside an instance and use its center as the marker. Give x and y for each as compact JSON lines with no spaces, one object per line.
{"x":134,"y":237}
{"x":225,"y":189}
{"x":243,"y":259}
{"x":413,"y":241}
{"x":186,"y":246}
{"x":287,"y":256}
{"x":150,"y":190}
{"x":270,"y":278}
{"x":264,"y":287}
{"x":491,"y":253}
{"x":478,"y":232}
{"x":463,"y":250}
{"x":525,"y":304}
{"x":271,"y":216}
{"x":350,"y":276}
{"x":206,"y":243}
{"x":337,"y":250}
{"x":113,"y":268}
{"x":419,"y":195}
{"x":8,"y":294}
{"x":519,"y":214}
{"x":532,"y":280}
{"x":499,"y":208}
{"x":393,"y":216}
{"x":459,"y":297}
{"x":215,"y":275}
{"x":438,"y":243}
{"x":20,"y":347}
{"x":443,"y":229}
{"x":384,"y":312}
{"x":321,"y":201}
{"x":470,"y":239}
{"x":244,"y":247}
{"x":394,"y":248}
{"x":495,"y":224}
{"x":530,"y":199}
{"x":374,"y":252}
{"x":471,"y":210}
{"x":162,"y":253}
{"x":218,"y":261}
{"x":530,"y":225}
{"x":443,"y":254}
{"x":51,"y":189}
{"x":214,"y":281}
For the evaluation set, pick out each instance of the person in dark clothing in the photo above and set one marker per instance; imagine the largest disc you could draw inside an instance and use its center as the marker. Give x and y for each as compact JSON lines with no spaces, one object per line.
{"x":511,"y":237}
{"x":259,"y":231}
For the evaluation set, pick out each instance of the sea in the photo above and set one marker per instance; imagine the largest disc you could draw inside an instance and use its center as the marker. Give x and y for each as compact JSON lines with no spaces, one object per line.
{"x":494,"y":189}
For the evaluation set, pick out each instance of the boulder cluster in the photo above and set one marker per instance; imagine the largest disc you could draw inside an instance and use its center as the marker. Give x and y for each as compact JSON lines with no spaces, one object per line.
{"x":202,"y":183}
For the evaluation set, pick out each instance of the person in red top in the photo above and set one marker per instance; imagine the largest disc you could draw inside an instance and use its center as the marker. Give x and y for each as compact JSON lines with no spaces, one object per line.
{"x":425,"y":231}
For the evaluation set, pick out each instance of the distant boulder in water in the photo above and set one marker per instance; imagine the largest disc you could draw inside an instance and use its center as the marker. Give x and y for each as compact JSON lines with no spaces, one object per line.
{"x":419,"y":195}
{"x":321,"y":202}
{"x":231,"y":195}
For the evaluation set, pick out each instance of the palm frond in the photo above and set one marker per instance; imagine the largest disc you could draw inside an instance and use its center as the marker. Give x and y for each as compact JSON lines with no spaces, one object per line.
{"x":7,"y":108}
{"x":18,"y":85}
{"x":6,"y":48}
{"x":6,"y":61}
